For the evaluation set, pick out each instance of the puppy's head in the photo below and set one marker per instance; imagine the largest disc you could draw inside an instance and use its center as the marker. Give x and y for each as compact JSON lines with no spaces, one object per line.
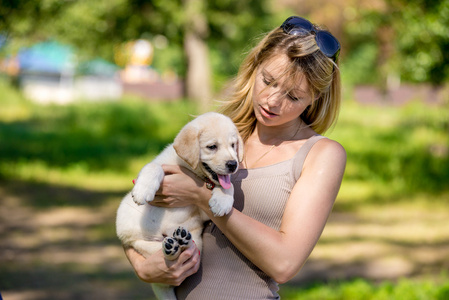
{"x":211,"y":144}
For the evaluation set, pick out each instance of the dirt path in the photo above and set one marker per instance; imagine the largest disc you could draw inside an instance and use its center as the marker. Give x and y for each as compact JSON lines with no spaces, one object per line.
{"x":59,"y":243}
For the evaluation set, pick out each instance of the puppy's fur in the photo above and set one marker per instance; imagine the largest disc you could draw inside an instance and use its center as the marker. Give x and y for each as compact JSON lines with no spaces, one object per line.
{"x":211,"y":147}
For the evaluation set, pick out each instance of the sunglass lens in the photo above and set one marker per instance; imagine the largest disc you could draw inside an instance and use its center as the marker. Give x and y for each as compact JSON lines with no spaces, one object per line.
{"x":327,"y":43}
{"x":296,"y":25}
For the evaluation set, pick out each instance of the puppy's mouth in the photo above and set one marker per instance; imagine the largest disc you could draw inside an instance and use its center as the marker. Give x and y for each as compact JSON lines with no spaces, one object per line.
{"x":224,"y":180}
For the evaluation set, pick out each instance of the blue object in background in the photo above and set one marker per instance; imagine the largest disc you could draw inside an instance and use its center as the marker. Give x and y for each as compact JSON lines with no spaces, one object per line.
{"x":47,"y":57}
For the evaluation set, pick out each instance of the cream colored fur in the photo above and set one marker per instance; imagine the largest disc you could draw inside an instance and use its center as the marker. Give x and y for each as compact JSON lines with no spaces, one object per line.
{"x":210,"y":139}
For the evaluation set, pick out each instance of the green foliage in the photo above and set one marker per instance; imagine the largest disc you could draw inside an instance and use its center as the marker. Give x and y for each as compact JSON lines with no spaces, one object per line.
{"x":409,"y":39}
{"x":392,"y":39}
{"x":101,"y":136}
{"x":234,"y":26}
{"x":357,"y":68}
{"x":422,"y":44}
{"x":394,"y":151}
{"x":360,"y":289}
{"x":96,"y":27}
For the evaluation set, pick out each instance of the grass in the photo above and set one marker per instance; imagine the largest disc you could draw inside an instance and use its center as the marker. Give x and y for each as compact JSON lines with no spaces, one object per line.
{"x":360,"y":289}
{"x":394,"y":153}
{"x":63,"y":170}
{"x":84,"y":143}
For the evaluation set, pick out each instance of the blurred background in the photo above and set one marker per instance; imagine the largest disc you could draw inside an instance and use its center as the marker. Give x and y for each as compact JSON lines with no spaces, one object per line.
{"x":90,"y":91}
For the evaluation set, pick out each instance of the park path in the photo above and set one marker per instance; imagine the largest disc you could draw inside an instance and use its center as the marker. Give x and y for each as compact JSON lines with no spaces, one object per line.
{"x":59,"y":243}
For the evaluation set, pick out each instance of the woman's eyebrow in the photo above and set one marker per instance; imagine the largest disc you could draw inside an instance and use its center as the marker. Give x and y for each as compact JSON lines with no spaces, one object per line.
{"x":297,"y":93}
{"x":267,"y":74}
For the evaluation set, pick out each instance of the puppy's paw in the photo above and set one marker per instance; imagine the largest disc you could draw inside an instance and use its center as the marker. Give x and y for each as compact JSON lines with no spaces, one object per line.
{"x":147,"y":183}
{"x":143,"y":193}
{"x":173,"y":246}
{"x":183,"y":237}
{"x":170,"y":247}
{"x":221,"y":205}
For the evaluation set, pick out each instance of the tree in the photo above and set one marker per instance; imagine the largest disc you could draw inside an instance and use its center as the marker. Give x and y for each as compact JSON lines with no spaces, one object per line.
{"x":405,"y":40}
{"x":196,"y":26}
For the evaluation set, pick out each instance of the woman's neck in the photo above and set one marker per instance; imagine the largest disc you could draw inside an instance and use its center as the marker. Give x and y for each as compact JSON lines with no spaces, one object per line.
{"x":275,"y":135}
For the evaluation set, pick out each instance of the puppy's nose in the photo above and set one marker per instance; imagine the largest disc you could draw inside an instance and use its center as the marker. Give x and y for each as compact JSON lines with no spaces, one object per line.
{"x":231,"y":165}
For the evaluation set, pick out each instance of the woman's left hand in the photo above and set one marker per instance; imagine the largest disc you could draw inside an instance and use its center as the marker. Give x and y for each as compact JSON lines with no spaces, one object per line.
{"x":180,"y":187}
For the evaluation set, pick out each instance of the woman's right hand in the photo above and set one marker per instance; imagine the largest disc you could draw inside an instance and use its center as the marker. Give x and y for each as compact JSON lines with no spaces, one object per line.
{"x":181,"y":187}
{"x":156,"y":269}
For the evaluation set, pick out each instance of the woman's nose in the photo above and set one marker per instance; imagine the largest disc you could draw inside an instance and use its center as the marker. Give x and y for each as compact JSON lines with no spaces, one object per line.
{"x":275,"y":97}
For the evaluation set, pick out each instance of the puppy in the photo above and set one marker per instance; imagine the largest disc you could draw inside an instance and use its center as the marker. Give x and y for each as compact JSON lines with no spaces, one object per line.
{"x":211,"y":147}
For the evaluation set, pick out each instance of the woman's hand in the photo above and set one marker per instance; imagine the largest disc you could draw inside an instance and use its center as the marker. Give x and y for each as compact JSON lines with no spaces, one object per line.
{"x":180,"y":187}
{"x":156,"y":269}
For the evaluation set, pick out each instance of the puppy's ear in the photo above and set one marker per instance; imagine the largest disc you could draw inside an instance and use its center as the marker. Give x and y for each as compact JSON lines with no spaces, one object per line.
{"x":240,"y":148}
{"x":187,"y":145}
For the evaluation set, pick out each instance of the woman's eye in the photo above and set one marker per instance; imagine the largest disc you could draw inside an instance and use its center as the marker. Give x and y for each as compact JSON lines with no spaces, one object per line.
{"x":212,"y":147}
{"x":292,"y":98}
{"x":267,"y":82}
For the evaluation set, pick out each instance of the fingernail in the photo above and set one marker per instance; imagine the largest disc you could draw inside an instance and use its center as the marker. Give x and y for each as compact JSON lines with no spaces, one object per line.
{"x":134,"y":181}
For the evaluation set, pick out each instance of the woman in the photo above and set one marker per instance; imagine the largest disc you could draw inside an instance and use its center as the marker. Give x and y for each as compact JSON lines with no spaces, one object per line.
{"x":286,"y":94}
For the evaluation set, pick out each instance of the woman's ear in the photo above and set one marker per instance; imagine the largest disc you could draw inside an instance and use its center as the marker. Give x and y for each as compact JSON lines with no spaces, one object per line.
{"x":187,"y":145}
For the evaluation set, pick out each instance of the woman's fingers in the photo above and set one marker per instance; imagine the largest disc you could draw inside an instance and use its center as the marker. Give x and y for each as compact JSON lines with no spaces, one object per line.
{"x":171,"y":169}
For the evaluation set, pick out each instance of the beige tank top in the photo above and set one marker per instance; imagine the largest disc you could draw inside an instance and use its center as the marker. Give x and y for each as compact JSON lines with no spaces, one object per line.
{"x":225,"y":273}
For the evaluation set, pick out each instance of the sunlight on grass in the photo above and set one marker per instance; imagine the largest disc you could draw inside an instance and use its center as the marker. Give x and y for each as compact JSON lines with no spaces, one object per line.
{"x":92,"y":145}
{"x":392,"y":151}
{"x":76,"y":175}
{"x":13,"y":106}
{"x":360,"y":289}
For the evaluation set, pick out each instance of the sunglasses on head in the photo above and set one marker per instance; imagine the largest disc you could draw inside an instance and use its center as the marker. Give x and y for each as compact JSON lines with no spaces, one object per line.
{"x":327,"y":43}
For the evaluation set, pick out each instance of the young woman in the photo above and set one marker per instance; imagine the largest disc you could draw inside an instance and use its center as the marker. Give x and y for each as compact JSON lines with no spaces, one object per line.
{"x":286,"y":94}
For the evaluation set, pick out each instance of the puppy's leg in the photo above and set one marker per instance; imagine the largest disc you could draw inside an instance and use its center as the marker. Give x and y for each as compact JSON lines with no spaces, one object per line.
{"x":147,"y":183}
{"x":221,"y":201}
{"x":163,"y":291}
{"x":146,"y":248}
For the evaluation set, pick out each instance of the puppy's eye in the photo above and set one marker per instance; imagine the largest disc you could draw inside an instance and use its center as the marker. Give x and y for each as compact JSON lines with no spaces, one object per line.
{"x":212,"y":147}
{"x":233,"y":145}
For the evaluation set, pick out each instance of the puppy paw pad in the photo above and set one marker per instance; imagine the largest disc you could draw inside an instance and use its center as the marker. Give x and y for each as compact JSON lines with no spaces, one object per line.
{"x":170,"y":247}
{"x":183,"y":236}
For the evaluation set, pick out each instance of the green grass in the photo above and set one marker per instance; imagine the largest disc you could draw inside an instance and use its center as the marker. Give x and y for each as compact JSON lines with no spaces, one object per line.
{"x":359,"y":289}
{"x":394,"y":153}
{"x":83,"y":144}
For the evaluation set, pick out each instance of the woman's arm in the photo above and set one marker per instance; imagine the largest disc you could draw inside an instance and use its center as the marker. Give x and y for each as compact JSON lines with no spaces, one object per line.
{"x":156,"y":269}
{"x":280,"y":254}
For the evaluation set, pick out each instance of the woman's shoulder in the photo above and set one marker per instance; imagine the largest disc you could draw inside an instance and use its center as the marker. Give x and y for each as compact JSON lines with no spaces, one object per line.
{"x":326,"y":151}
{"x":327,"y":144}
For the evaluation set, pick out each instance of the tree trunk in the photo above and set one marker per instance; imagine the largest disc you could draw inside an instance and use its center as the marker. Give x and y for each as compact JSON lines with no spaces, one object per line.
{"x":198,"y":83}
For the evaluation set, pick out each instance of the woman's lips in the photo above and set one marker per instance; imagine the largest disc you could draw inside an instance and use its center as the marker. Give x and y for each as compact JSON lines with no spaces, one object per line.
{"x":267,"y":113}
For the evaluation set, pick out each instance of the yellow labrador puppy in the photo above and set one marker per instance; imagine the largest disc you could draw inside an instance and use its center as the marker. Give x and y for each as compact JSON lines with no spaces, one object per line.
{"x":212,"y":148}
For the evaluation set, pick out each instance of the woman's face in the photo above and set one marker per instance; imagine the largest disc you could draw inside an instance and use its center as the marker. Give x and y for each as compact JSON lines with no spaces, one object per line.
{"x":278,"y":104}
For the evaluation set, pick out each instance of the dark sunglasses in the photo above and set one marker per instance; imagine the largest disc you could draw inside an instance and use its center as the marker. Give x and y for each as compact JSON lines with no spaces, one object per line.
{"x":327,"y":43}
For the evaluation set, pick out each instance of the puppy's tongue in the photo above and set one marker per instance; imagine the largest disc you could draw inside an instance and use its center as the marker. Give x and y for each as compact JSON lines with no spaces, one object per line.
{"x":225,"y":181}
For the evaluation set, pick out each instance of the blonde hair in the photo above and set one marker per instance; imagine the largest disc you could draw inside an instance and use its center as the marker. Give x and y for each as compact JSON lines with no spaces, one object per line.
{"x":322,"y":75}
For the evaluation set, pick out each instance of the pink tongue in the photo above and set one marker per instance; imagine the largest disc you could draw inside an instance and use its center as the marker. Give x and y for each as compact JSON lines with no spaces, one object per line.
{"x":225,"y":181}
